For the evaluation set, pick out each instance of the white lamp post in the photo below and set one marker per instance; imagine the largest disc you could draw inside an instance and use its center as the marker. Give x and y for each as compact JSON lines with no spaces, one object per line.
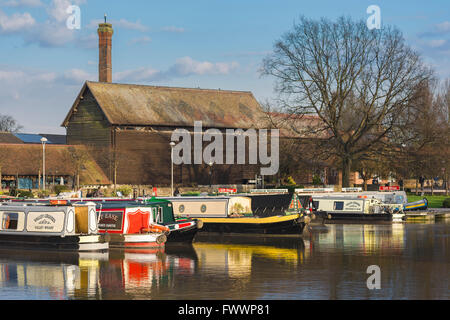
{"x":172,"y":144}
{"x":43,"y":140}
{"x":210,"y":164}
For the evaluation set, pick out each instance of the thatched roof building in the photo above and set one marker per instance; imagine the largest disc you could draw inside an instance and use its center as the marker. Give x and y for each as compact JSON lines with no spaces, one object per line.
{"x":143,"y":105}
{"x":24,"y":161}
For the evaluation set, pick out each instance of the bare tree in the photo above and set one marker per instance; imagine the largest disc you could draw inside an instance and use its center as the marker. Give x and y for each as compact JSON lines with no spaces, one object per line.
{"x":354,"y":79}
{"x":9,"y":124}
{"x":78,"y":156}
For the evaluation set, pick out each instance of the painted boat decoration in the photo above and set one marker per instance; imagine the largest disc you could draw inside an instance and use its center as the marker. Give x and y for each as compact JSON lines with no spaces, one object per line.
{"x":176,"y":230}
{"x":222,"y":215}
{"x":273,"y":204}
{"x":131,"y":226}
{"x":180,"y":230}
{"x":416,"y":205}
{"x":59,"y":227}
{"x":333,"y":207}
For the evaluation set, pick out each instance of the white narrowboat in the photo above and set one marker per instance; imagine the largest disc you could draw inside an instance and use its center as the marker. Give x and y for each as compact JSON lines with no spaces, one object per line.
{"x":361,"y":208}
{"x":51,"y":226}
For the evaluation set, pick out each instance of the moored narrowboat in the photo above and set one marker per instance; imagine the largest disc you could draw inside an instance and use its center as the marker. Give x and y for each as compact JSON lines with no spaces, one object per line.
{"x":131,"y":226}
{"x":51,"y":226}
{"x":180,"y":230}
{"x":333,"y":207}
{"x":176,"y":230}
{"x":223,"y":215}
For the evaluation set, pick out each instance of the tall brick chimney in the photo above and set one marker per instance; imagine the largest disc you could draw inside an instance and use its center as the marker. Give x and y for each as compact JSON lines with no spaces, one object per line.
{"x":105,"y":32}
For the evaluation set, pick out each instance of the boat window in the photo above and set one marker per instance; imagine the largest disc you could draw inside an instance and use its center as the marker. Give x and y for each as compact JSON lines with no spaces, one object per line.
{"x":9,"y":221}
{"x":181,"y":208}
{"x":160,"y":215}
{"x":316,"y":204}
{"x":338,"y":205}
{"x":203,"y":208}
{"x":154,"y":213}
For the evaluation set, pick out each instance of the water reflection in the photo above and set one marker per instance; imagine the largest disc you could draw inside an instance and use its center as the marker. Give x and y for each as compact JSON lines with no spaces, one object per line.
{"x":329,"y":263}
{"x":361,"y":238}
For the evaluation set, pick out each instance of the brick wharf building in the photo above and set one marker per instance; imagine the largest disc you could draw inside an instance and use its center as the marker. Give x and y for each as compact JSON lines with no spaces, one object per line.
{"x":129,"y":127}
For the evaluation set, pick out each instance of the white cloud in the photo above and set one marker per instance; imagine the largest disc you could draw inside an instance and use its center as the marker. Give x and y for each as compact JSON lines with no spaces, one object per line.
{"x":137,"y":75}
{"x":22,"y":3}
{"x":77,"y":76}
{"x":57,"y":10}
{"x":173,"y":29}
{"x":16,"y":22}
{"x":50,"y":34}
{"x":437,"y":43}
{"x":183,"y":67}
{"x":187,"y":66}
{"x":122,"y":23}
{"x":444,"y":26}
{"x":144,"y":39}
{"x":15,"y":76}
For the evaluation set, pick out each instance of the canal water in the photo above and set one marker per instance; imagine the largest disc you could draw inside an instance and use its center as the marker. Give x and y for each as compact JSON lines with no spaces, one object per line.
{"x":329,"y":262}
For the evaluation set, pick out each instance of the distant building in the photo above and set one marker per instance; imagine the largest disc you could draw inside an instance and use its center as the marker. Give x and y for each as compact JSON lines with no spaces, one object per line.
{"x":21,"y":166}
{"x":129,"y":126}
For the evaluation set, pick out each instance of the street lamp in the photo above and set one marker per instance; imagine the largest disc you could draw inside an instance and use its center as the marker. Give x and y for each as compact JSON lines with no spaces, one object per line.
{"x":172,"y":144}
{"x":210,"y":174}
{"x":43,"y":140}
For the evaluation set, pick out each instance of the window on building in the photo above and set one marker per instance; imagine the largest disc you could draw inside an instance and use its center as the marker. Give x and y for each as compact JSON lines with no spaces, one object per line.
{"x":9,"y":221}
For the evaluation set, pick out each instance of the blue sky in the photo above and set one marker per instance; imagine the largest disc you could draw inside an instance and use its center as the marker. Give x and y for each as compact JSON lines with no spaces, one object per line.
{"x":197,"y":43}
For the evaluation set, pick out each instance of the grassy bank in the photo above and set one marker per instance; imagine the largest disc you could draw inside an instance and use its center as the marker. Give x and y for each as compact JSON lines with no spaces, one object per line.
{"x":433,"y":201}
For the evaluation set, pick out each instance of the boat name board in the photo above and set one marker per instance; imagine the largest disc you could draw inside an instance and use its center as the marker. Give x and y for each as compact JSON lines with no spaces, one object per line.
{"x":352,"y":189}
{"x":312,"y":190}
{"x":45,"y":221}
{"x":111,"y":220}
{"x":269,"y":191}
{"x":353,"y":206}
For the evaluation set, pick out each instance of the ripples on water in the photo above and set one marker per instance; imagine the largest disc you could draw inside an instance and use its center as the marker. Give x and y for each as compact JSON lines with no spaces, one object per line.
{"x":328,"y":263}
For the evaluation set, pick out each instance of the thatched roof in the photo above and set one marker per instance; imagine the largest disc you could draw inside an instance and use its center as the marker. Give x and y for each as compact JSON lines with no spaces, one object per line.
{"x":8,"y":137}
{"x":142,"y":105}
{"x":26,"y":160}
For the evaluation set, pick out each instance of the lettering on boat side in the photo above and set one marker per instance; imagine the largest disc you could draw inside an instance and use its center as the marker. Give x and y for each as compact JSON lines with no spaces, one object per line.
{"x":353,"y":205}
{"x":226,"y":309}
{"x":374,"y":281}
{"x":45,"y":221}
{"x":39,"y":219}
{"x":111,"y":220}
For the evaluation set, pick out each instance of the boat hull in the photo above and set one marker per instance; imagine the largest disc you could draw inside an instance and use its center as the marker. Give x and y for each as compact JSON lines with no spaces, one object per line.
{"x":357,"y":216}
{"x":67,"y":243}
{"x":141,"y":241}
{"x":279,"y":225}
{"x":185,"y":235}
